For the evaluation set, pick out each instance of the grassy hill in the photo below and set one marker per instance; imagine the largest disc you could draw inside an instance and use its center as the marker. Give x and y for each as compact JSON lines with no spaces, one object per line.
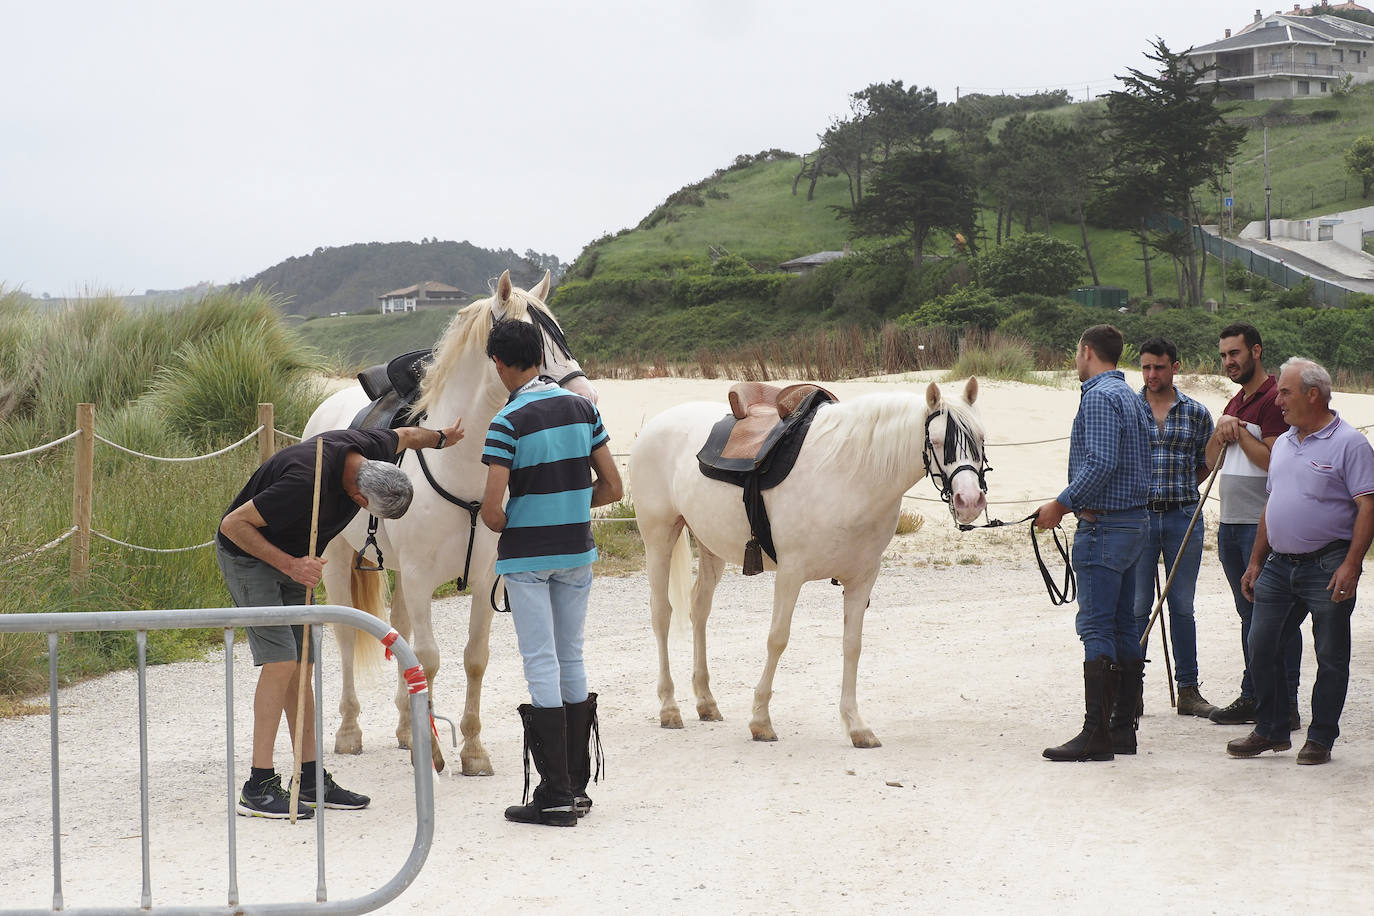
{"x":353,"y":342}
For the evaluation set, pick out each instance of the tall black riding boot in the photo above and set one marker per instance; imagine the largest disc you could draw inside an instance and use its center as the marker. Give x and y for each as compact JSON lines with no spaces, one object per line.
{"x":1094,"y":742}
{"x":1125,"y":718}
{"x":546,"y":740}
{"x":584,"y":742}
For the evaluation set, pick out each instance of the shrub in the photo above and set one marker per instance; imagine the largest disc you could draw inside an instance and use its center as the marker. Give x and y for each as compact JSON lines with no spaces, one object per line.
{"x":1031,"y":264}
{"x":966,"y":306}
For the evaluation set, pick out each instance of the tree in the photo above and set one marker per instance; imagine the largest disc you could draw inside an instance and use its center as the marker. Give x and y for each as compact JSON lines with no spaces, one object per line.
{"x":917,"y":191}
{"x":1034,"y":263}
{"x":1359,"y":159}
{"x":1167,"y":137}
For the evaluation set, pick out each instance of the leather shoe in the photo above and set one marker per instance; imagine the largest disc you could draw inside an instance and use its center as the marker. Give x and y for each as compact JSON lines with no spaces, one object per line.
{"x":1314,"y":753}
{"x":1240,"y":712}
{"x":1254,"y":744}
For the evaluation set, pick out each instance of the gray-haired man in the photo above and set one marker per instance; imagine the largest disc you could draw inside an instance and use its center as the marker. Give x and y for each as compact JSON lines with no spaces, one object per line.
{"x":263,"y":547}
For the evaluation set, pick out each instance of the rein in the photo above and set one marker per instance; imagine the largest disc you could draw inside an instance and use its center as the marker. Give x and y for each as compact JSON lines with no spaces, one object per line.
{"x":955,"y":435}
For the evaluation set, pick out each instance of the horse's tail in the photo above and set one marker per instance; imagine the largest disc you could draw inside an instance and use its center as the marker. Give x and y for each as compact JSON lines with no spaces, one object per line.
{"x":680,"y":581}
{"x":368,"y":588}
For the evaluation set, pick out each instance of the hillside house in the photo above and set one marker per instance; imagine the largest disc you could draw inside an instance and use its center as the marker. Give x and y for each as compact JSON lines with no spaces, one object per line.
{"x":1290,"y":55}
{"x":430,"y":292}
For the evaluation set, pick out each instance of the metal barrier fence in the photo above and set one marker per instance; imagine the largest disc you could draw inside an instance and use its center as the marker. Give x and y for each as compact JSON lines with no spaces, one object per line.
{"x":1275,"y":271}
{"x":228,"y":618}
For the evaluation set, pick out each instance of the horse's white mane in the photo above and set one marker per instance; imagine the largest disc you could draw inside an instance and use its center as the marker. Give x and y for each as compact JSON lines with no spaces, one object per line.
{"x":883,"y":433}
{"x":466,"y":334}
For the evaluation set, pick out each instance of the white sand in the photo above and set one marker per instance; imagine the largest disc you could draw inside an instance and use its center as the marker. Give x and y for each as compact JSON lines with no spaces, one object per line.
{"x":968,"y":672}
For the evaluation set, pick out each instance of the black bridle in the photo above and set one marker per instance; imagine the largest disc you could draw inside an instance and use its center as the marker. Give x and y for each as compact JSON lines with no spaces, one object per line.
{"x":957,"y":436}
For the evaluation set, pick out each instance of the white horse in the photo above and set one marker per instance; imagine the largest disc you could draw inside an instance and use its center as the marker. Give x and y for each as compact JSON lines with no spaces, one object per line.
{"x":831,"y":518}
{"x":429,"y":545}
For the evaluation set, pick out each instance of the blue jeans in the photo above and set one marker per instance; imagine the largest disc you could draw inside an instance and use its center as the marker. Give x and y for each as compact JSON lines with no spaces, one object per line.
{"x":1166,"y":537}
{"x":1234,"y":546}
{"x":549,"y":609}
{"x":1286,"y":592}
{"x":1104,"y":553}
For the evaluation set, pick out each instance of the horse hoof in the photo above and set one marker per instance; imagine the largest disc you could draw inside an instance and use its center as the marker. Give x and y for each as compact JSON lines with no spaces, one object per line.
{"x":436,"y":757}
{"x":478,"y":766}
{"x":865,"y":738}
{"x":670,"y":719}
{"x":348,"y":744}
{"x":763,"y":734}
{"x":709,"y":712}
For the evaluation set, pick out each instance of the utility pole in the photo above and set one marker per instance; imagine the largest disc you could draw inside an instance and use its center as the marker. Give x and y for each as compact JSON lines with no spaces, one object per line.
{"x":1267,"y":236}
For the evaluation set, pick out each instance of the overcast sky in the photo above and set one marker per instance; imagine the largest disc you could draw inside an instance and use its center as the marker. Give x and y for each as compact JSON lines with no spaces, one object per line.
{"x":159,"y":144}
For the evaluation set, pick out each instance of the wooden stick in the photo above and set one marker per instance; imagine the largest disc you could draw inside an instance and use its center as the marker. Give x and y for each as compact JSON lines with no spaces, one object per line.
{"x":302,"y":674}
{"x":1197,"y":513}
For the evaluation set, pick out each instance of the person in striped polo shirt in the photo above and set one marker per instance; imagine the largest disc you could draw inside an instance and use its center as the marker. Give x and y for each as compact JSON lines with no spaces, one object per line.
{"x":549,"y":449}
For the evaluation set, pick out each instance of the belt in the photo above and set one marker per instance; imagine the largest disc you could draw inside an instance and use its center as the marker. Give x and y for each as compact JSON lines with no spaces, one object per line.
{"x":1167,"y":505}
{"x":1099,"y":513}
{"x":1312,"y":556}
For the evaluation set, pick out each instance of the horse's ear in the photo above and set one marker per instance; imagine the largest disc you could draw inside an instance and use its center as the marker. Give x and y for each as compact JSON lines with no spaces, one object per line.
{"x":541,"y":292}
{"x":503,"y":288}
{"x":971,"y":390}
{"x":932,"y":396}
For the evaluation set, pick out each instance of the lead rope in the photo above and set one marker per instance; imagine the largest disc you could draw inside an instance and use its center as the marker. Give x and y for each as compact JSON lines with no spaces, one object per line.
{"x":1059,"y":594}
{"x":596,"y":747}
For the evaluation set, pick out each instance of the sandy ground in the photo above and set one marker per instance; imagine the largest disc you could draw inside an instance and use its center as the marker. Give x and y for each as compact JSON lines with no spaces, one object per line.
{"x":967,"y":673}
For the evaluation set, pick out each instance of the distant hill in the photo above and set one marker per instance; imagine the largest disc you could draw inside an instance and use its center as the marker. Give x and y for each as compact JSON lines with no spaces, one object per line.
{"x":351,"y":277}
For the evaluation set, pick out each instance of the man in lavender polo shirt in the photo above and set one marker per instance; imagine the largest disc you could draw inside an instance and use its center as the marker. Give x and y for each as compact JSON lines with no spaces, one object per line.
{"x":1311,"y":542}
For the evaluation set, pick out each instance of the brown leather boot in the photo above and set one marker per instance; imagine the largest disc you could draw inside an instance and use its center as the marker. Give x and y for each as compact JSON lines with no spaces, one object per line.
{"x":1191,"y":703}
{"x":1094,"y":742}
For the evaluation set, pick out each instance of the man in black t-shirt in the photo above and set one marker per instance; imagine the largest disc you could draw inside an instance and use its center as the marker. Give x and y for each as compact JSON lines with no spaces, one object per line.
{"x":263,"y":547}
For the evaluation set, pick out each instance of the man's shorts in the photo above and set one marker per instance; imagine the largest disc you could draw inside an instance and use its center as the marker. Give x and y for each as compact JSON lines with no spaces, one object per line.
{"x":253,"y":583}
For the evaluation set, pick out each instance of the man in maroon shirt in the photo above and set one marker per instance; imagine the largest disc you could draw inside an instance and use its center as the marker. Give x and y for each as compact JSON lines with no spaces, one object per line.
{"x":1247,"y":430}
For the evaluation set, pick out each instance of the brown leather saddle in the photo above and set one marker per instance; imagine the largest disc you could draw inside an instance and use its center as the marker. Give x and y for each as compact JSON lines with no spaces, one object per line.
{"x":755,"y":447}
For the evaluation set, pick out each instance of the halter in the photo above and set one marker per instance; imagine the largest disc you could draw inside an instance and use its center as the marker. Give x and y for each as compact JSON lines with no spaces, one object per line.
{"x":957,"y":437}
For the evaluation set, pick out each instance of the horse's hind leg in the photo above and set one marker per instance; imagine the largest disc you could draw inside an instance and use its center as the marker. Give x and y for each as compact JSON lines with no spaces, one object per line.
{"x":709,"y":570}
{"x":786,"y":588}
{"x":856,"y":595}
{"x":660,"y":539}
{"x":337,"y":585}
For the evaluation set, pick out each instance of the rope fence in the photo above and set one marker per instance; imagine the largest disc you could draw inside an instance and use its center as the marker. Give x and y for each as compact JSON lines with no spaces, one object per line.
{"x":85,"y":437}
{"x":81,"y":531}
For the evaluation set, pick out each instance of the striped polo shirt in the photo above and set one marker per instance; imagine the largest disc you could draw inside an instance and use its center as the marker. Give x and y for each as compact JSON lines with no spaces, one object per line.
{"x":546,"y":435}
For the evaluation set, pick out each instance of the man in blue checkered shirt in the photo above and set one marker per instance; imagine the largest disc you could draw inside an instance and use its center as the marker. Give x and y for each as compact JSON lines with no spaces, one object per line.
{"x":1178,"y":455}
{"x":1109,"y":484}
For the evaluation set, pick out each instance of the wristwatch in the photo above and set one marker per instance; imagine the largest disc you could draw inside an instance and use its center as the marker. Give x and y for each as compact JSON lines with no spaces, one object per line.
{"x":442,"y":439}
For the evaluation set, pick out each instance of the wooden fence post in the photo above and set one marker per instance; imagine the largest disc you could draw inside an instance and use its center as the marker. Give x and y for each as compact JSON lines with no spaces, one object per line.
{"x":82,"y":485}
{"x":267,"y":439}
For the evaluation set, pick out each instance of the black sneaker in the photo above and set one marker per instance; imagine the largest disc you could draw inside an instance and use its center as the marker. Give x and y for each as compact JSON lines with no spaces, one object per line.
{"x":1240,"y":712}
{"x":335,"y":796}
{"x":269,"y":800}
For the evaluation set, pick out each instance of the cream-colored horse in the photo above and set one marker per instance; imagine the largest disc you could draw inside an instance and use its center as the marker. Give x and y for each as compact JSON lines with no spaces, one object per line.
{"x":429,"y":544}
{"x":831,"y":519}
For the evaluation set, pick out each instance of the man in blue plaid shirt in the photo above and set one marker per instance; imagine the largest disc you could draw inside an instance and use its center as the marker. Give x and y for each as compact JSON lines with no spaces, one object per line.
{"x":1109,"y":484}
{"x":1178,"y":455}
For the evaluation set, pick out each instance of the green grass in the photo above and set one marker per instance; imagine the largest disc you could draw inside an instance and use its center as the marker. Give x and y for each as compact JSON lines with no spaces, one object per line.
{"x":354,"y":342}
{"x":175,"y":383}
{"x":758,"y":219}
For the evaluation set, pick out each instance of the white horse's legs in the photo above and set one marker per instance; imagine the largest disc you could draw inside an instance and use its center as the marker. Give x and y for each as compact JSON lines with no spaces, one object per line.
{"x":659,"y":540}
{"x":709,"y":570}
{"x":349,"y":738}
{"x":476,"y":654}
{"x":400,"y":622}
{"x":856,"y":595}
{"x":786,"y":588}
